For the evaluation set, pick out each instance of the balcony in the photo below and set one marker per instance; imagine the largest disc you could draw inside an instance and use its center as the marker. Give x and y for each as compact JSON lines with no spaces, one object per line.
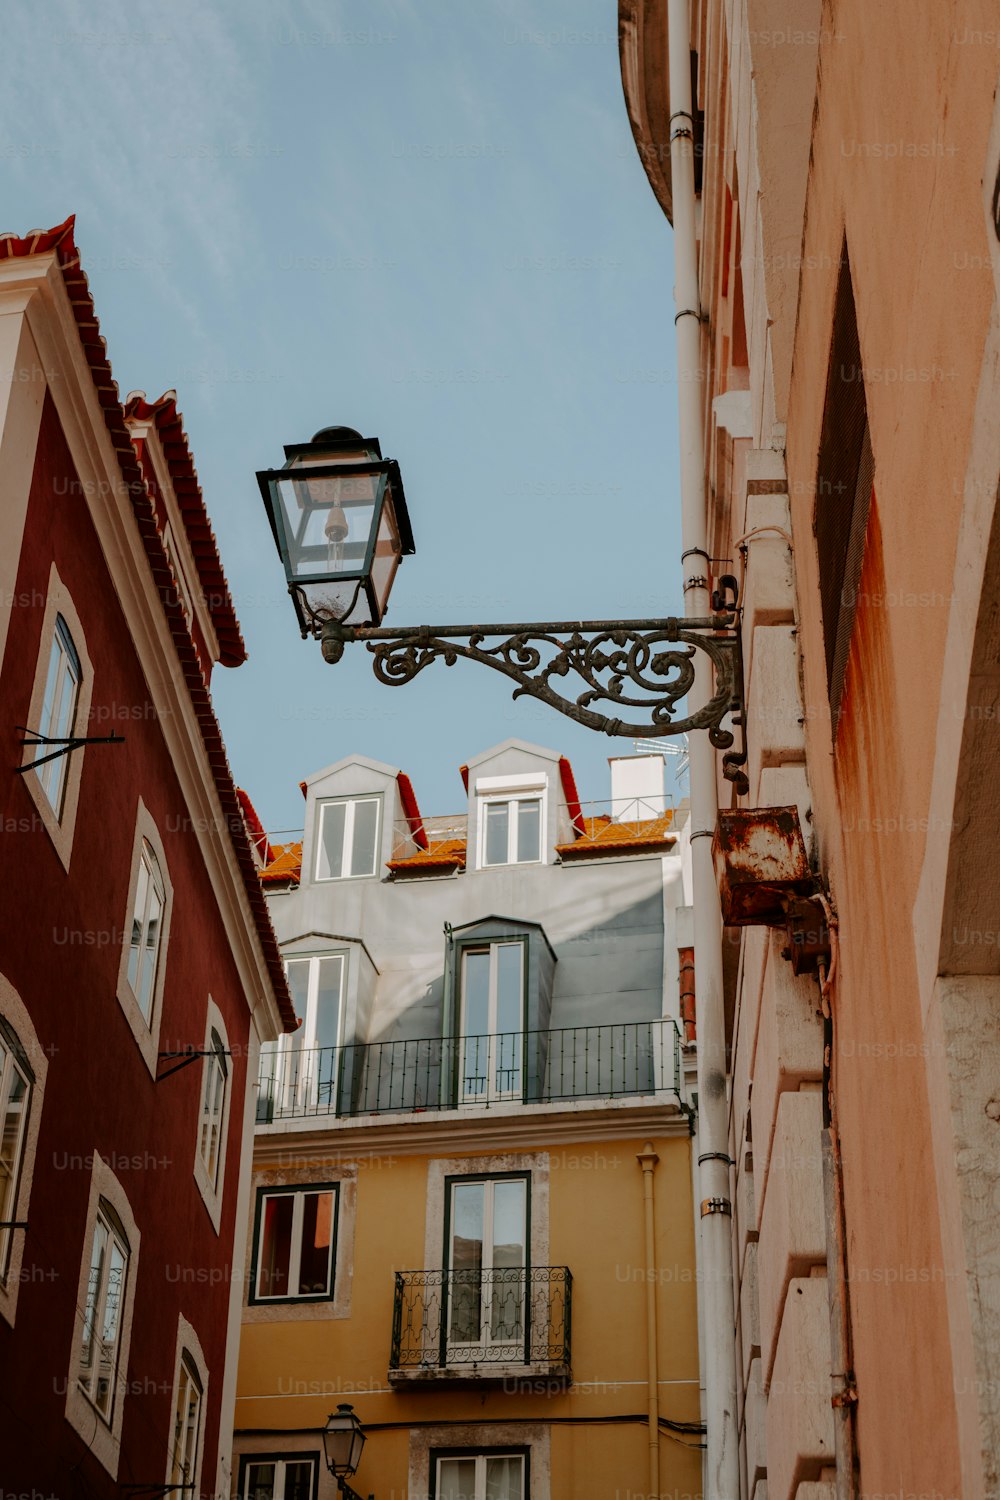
{"x":471,"y":1325}
{"x":576,"y":1063}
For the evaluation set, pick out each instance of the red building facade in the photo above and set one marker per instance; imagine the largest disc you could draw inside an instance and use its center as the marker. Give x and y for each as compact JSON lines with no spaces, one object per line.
{"x":132,"y":928}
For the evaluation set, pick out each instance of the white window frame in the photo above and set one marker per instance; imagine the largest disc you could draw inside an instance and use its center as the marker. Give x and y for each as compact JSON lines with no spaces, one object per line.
{"x":212,"y":1185}
{"x":298,"y":1193}
{"x":280,"y":1465}
{"x":349,"y":804}
{"x":188,"y":1353}
{"x":496,"y":1055}
{"x":509,"y":790}
{"x":146,"y":1033}
{"x":59,"y":823}
{"x":103,"y":1434}
{"x":19,"y":1022}
{"x":480,"y":1460}
{"x":295,"y":1091}
{"x":486,"y":1293}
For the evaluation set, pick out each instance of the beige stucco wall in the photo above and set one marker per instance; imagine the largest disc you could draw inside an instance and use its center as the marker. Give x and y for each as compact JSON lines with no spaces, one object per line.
{"x":872,"y":120}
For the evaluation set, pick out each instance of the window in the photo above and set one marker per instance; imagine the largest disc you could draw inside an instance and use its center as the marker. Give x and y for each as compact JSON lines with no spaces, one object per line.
{"x":59,"y":712}
{"x":294,"y":1243}
{"x":480,"y":1476}
{"x":511,"y":831}
{"x":300,"y":1071}
{"x":187,"y":1424}
{"x":844,"y":483}
{"x":97,"y":1372}
{"x":213,"y":1102}
{"x":492,"y":1022}
{"x":348,"y":838}
{"x":487,"y":1246}
{"x":147,"y":928}
{"x":292,"y":1477}
{"x":16,"y":1080}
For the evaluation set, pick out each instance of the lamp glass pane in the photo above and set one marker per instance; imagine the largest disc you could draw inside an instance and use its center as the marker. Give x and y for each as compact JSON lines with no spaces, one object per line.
{"x":388,"y":551}
{"x":328,"y":520}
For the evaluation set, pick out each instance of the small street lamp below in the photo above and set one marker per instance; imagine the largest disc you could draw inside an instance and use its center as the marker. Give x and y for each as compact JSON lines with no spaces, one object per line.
{"x":343,"y":1444}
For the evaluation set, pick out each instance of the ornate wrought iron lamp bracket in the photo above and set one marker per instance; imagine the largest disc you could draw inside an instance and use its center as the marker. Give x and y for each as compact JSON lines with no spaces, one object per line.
{"x":643,"y":668}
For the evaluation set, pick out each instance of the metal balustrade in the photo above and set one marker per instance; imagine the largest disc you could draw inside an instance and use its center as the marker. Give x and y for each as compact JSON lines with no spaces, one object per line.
{"x":481,"y":1072}
{"x":473,"y":1322}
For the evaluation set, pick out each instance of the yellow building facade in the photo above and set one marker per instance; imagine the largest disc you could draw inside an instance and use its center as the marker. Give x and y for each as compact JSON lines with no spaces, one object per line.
{"x":481,"y":1239}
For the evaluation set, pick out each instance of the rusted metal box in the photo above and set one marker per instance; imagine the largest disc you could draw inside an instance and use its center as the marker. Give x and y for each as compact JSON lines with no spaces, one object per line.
{"x":760,"y":863}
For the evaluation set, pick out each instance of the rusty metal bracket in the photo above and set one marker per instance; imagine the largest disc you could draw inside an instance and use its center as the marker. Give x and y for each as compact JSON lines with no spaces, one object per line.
{"x":716,"y":1206}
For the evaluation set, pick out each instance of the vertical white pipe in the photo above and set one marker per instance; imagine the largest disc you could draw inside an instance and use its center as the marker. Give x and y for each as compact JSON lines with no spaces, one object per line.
{"x":722,"y":1459}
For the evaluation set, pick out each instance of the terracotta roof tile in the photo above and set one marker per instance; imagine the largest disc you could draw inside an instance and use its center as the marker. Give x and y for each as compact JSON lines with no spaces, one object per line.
{"x":601,"y":835}
{"x":445,"y":854}
{"x":285,"y":865}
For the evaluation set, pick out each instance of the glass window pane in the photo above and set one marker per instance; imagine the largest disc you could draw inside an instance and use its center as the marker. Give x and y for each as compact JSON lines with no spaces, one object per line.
{"x":529,"y":828}
{"x":298,"y":1481}
{"x":330,"y":863}
{"x":475,"y":1023}
{"x":365,"y":831}
{"x":456,"y":1479}
{"x":387,"y":554}
{"x":504,"y":1477}
{"x":497,"y":823}
{"x":327,"y":1028}
{"x":259,"y":1482}
{"x":317,"y":1244}
{"x":509,"y":1223}
{"x":477,"y":993}
{"x":275,"y":1246}
{"x":465,"y":1322}
{"x":510,"y":966}
{"x":149,"y":953}
{"x":297,"y":971}
{"x":138,"y":922}
{"x":94,"y":1279}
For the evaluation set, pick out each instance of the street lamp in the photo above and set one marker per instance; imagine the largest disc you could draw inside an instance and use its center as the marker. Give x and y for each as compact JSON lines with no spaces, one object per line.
{"x":341,"y":526}
{"x":343,"y":1444}
{"x":338,"y":514}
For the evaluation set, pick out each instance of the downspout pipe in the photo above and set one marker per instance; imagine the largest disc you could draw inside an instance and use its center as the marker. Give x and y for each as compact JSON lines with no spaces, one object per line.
{"x":715,"y":1225}
{"x":647,"y":1159}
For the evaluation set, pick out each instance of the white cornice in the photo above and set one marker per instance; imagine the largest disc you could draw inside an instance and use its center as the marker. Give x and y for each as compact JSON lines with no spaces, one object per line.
{"x":457,"y":1133}
{"x":71,"y":384}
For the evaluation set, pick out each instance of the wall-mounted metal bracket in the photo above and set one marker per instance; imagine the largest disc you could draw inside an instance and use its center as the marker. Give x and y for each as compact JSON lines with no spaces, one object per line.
{"x":190,"y":1055}
{"x":66,"y":745}
{"x":624,"y":664}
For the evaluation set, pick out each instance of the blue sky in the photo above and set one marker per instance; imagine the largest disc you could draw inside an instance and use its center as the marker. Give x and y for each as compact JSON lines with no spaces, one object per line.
{"x":425,"y":220}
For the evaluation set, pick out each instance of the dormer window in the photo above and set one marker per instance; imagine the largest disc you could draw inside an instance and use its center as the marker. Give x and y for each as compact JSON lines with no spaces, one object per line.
{"x":511,"y":819}
{"x":347,"y":842}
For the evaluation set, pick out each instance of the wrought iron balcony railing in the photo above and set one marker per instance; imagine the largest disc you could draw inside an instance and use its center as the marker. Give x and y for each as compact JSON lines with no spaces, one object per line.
{"x":481,"y":1072}
{"x":478,"y":1324}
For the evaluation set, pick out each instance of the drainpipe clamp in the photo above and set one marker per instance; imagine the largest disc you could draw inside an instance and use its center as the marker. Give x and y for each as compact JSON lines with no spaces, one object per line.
{"x":716,"y":1206}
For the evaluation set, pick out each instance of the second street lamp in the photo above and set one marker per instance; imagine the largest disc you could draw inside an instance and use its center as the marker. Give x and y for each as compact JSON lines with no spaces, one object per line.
{"x":340,"y":523}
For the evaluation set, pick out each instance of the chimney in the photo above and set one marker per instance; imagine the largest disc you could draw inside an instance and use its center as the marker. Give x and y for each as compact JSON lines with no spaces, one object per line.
{"x":637,"y":787}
